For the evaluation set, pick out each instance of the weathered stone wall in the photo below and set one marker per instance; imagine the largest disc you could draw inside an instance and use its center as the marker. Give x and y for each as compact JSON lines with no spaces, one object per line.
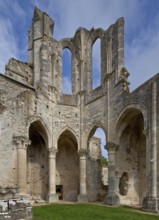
{"x":15,"y":210}
{"x":37,"y":170}
{"x":67,"y":168}
{"x":33,"y":96}
{"x":20,"y":71}
{"x":105,"y":175}
{"x":95,"y":186}
{"x":12,"y":115}
{"x":133,"y":147}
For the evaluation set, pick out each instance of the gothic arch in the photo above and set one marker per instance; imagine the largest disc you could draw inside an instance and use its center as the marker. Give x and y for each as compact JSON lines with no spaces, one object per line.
{"x":94,"y":35}
{"x":43,"y":126}
{"x":37,"y":161}
{"x":67,"y":128}
{"x":97,"y":33}
{"x":66,"y":43}
{"x":129,"y":134}
{"x":123,"y":112}
{"x":67,"y":166}
{"x":90,"y":131}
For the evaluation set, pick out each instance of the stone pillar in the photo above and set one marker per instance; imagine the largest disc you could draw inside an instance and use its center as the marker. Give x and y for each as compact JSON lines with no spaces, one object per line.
{"x":151,"y":202}
{"x":52,"y":196}
{"x":82,"y":197}
{"x":21,"y":143}
{"x":112,"y":198}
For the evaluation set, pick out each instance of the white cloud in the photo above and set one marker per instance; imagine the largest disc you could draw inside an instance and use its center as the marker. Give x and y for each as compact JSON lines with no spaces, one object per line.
{"x":87,"y":13}
{"x":11,"y":13}
{"x":142,"y":56}
{"x":141,"y":30}
{"x":8,"y":47}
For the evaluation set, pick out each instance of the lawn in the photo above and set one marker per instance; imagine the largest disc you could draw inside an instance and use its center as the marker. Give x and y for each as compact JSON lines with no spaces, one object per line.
{"x":87,"y":212}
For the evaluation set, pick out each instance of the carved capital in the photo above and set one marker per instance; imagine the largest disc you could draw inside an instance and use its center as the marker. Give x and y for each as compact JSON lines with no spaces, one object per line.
{"x":82,"y":152}
{"x":52,"y":151}
{"x":111,"y":147}
{"x":21,"y":142}
{"x":82,"y":92}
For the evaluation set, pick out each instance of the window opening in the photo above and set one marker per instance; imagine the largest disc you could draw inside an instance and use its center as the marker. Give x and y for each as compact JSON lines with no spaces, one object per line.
{"x":67,"y":71}
{"x":96,"y":64}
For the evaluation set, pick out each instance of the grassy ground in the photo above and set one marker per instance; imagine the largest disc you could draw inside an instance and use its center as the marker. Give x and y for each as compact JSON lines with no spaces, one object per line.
{"x":87,"y":212}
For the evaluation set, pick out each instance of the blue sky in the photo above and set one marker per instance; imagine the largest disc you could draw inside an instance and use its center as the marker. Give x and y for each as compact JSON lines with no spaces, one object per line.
{"x":141,"y":28}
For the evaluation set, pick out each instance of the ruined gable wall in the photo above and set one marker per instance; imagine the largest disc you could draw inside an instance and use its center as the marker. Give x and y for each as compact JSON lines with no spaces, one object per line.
{"x":85,"y":108}
{"x":140,"y":99}
{"x":19,"y":71}
{"x":11,"y":123}
{"x":95,"y":188}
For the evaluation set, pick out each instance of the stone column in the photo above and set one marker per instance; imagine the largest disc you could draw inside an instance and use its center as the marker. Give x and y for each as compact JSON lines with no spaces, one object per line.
{"x":52,"y":196}
{"x":21,"y":143}
{"x":82,"y":197}
{"x":112,"y":198}
{"x":151,"y":202}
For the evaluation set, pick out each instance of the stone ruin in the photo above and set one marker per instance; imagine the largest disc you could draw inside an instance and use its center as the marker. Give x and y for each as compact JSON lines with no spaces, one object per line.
{"x":47,"y":148}
{"x":15,"y":209}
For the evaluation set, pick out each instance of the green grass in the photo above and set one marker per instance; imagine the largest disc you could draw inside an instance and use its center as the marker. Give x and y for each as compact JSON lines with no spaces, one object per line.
{"x":87,"y":212}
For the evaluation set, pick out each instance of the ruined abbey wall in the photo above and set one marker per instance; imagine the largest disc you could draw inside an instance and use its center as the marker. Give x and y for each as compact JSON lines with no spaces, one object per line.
{"x":45,"y":134}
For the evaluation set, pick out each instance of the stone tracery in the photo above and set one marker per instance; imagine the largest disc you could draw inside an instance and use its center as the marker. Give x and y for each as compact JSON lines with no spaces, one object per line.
{"x":58,"y":125}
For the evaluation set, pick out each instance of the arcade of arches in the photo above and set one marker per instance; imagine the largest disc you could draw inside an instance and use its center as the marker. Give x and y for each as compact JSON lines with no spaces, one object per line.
{"x":130,"y":175}
{"x":48,"y":150}
{"x":69,"y":181}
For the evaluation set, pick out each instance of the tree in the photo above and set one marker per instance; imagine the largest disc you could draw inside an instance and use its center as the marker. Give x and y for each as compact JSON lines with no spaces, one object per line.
{"x":104,"y":161}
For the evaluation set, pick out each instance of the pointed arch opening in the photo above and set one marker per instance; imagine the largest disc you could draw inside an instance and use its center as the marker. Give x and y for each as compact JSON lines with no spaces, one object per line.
{"x":37,"y":162}
{"x":97,"y":165}
{"x":67,"y":71}
{"x":67,"y":167}
{"x":131,"y":157}
{"x":96,"y":64}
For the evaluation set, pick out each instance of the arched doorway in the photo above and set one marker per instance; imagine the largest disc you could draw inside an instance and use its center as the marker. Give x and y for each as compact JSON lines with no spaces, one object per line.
{"x":37,"y":162}
{"x":131,"y":158}
{"x":67,"y":167}
{"x":97,"y":169}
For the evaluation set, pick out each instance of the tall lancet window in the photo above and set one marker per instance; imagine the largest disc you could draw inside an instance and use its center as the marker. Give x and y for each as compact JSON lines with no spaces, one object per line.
{"x":96,"y":64}
{"x":67,"y":71}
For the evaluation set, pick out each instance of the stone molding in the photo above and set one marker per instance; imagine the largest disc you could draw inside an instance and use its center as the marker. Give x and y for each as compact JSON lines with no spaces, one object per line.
{"x":82,"y":152}
{"x":110,"y":146}
{"x":52,"y":151}
{"x":108,"y":77}
{"x":15,"y":209}
{"x":82,"y":92}
{"x":21,"y":142}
